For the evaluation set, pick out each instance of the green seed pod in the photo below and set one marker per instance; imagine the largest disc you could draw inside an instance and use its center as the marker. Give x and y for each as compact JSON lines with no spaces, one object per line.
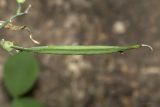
{"x":77,"y":50}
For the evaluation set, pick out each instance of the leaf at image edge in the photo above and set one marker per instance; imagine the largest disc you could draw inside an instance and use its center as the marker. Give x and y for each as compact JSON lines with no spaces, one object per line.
{"x":20,"y":73}
{"x":26,"y":102}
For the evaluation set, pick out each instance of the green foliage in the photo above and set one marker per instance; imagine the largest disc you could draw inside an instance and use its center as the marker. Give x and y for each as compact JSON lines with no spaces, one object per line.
{"x":26,"y":102}
{"x":20,"y":73}
{"x":21,"y":69}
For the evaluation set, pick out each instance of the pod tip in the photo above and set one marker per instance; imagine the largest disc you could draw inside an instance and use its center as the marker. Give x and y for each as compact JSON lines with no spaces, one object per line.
{"x":150,"y":47}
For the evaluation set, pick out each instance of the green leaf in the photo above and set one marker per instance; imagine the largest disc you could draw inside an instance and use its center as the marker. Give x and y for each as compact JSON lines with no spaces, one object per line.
{"x":26,"y":102}
{"x":20,"y":1}
{"x":20,"y":73}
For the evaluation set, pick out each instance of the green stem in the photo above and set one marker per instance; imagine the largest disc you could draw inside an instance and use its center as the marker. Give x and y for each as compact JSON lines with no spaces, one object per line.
{"x":3,"y":24}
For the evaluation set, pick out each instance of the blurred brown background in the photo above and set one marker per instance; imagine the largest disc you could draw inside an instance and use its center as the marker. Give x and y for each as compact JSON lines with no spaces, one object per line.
{"x":131,"y":79}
